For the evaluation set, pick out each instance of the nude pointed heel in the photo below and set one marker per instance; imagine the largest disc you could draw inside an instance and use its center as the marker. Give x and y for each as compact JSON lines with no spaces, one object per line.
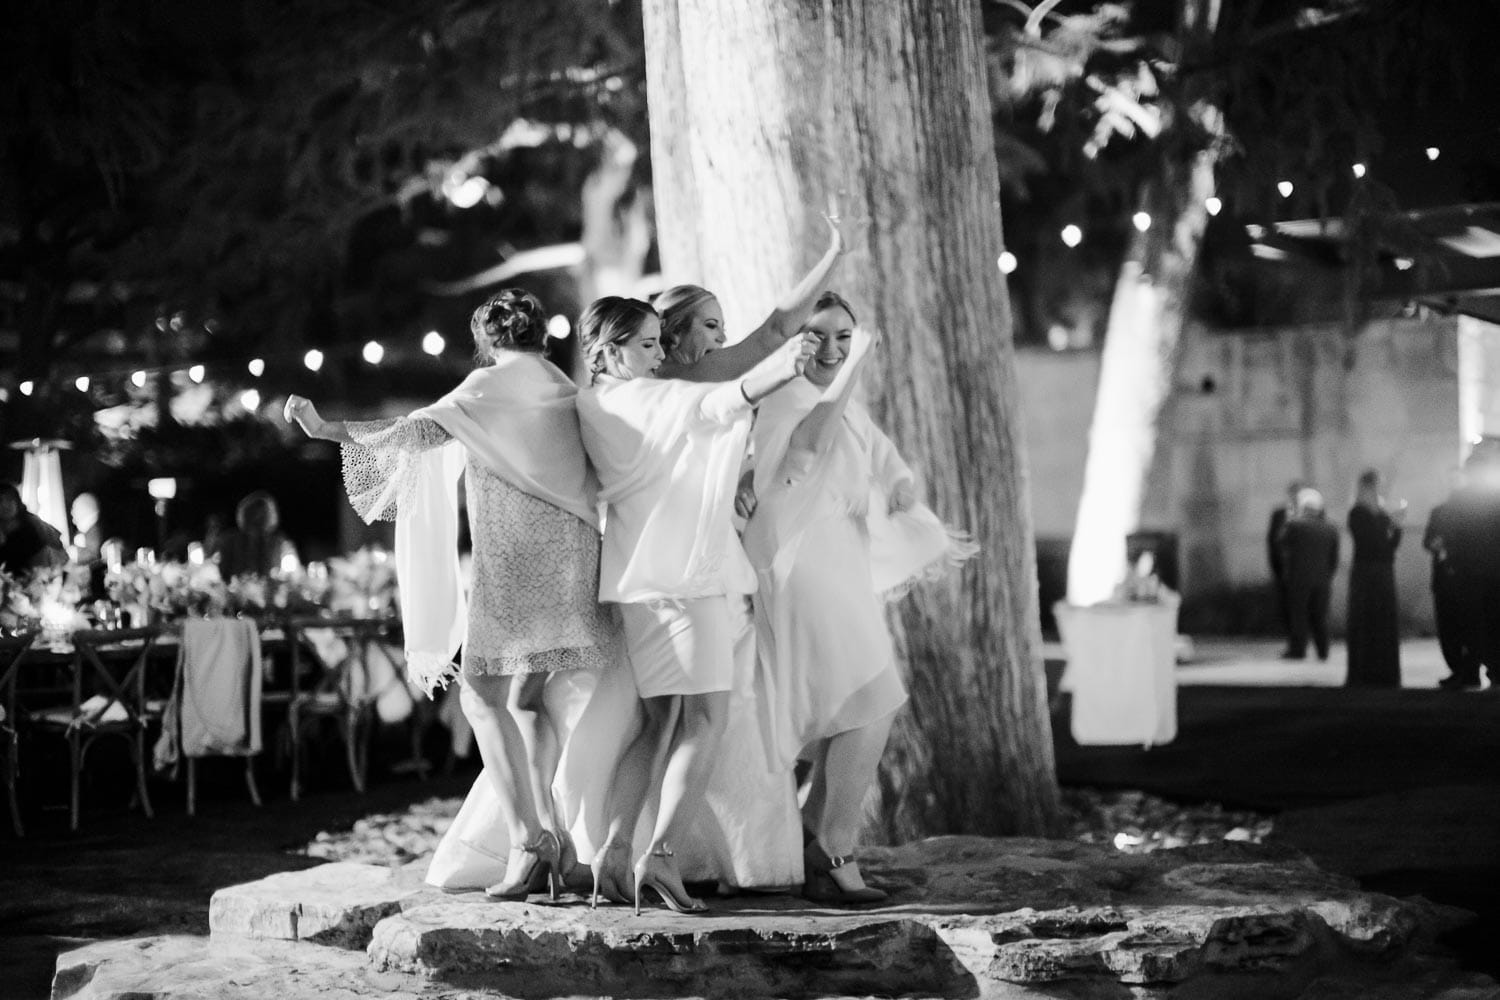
{"x":645,"y":878}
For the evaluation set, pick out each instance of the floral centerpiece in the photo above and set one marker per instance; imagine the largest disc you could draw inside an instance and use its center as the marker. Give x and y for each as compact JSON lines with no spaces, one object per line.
{"x":363,"y":584}
{"x":46,"y":598}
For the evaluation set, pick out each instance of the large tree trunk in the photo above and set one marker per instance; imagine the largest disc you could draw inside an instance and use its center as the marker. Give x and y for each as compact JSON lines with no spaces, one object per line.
{"x":1141,"y":350}
{"x":761,"y":109}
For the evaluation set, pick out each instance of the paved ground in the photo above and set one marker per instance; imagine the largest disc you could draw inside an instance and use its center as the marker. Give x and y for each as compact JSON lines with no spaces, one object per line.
{"x":1399,"y":788}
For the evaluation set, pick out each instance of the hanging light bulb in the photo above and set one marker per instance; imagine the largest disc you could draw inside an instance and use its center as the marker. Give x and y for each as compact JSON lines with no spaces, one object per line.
{"x":1007,"y":262}
{"x":558,"y":327}
{"x":26,"y":387}
{"x":138,"y":379}
{"x":82,"y":382}
{"x":1141,"y":221}
{"x":257,"y":367}
{"x":313,"y":359}
{"x":1214,"y":205}
{"x":1359,"y":169}
{"x":1072,"y":235}
{"x":433,"y":343}
{"x":1433,"y":152}
{"x":250,"y":399}
{"x":1285,"y":187}
{"x":373,"y":352}
{"x":196,"y":373}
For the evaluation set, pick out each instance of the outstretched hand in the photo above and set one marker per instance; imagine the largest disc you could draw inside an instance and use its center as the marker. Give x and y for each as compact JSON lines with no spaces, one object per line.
{"x":797,"y":352}
{"x":299,"y":410}
{"x":844,"y":232}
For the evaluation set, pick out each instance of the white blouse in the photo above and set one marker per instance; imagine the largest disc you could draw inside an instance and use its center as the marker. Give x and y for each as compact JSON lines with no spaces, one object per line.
{"x":668,"y":456}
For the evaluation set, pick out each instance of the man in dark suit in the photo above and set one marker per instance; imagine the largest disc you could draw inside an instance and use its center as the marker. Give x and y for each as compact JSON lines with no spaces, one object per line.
{"x":1309,"y":556}
{"x":1273,"y":551}
{"x":1471,"y":528}
{"x":1453,"y":602}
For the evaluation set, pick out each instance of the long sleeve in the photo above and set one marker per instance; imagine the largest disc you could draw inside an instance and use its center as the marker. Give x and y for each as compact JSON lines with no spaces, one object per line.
{"x":378,"y":470}
{"x":725,"y":404}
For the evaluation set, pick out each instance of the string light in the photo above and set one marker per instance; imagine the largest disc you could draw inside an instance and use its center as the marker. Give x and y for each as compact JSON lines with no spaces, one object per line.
{"x":373,"y":352}
{"x":1433,"y":152}
{"x":1285,"y":187}
{"x":313,"y":359}
{"x":1404,"y":263}
{"x":1141,"y":221}
{"x":26,"y":387}
{"x":138,"y":379}
{"x":257,"y":367}
{"x":250,"y":399}
{"x":1072,"y":235}
{"x":1214,"y":206}
{"x":1007,"y":262}
{"x":82,"y":382}
{"x":1359,"y":170}
{"x":433,"y":343}
{"x":196,"y":373}
{"x":558,"y":327}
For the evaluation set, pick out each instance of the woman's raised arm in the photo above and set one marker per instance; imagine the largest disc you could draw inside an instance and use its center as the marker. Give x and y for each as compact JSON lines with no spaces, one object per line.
{"x":299,"y":410}
{"x":737,"y":359}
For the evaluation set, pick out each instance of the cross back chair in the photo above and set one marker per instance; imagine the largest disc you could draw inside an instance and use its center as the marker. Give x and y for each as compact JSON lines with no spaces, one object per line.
{"x":105,"y":702}
{"x":13,"y":650}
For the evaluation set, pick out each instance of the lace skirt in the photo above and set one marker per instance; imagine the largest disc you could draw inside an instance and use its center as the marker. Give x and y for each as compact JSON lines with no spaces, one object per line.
{"x":534,"y":603}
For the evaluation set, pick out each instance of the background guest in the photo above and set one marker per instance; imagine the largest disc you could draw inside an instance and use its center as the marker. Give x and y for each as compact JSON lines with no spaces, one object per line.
{"x":27,"y":542}
{"x":1453,"y":607}
{"x":1308,"y":552}
{"x":1472,"y":530}
{"x":1374,"y":645}
{"x":257,"y":546}
{"x":1279,"y":516}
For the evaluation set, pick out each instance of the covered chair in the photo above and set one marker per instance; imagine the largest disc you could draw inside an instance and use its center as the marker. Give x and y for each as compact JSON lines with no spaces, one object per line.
{"x":216,"y":700}
{"x":13,"y":650}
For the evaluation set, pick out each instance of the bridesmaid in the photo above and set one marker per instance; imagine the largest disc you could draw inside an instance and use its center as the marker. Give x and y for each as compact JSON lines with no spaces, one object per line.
{"x":668,"y":454}
{"x":837,"y":522}
{"x":512,"y":427}
{"x":692,"y":322}
{"x":1374,"y":645}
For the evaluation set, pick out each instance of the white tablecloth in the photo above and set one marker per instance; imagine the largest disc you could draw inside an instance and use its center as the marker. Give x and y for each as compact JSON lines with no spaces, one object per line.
{"x":1121,"y":658}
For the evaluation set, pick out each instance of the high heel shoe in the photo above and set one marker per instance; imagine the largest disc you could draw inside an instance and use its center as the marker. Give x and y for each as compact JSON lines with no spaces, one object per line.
{"x":606,"y":882}
{"x":656,"y":881}
{"x":836,"y":880}
{"x":575,"y":877}
{"x":530,"y":868}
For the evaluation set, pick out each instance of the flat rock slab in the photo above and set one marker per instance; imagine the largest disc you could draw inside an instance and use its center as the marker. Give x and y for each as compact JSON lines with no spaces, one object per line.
{"x":178,"y":967}
{"x":336,"y":904}
{"x":968,"y":917}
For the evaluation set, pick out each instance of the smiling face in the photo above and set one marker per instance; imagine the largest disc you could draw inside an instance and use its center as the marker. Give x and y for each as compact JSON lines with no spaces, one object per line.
{"x":704,"y":332}
{"x":834,"y":329}
{"x":640,"y":355}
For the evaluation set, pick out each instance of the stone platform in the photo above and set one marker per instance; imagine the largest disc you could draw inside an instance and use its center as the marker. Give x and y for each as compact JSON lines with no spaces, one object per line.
{"x":968,"y":917}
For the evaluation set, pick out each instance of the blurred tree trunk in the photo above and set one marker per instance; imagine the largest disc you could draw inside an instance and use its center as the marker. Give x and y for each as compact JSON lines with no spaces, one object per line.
{"x":1142,"y":339}
{"x":762,"y":109}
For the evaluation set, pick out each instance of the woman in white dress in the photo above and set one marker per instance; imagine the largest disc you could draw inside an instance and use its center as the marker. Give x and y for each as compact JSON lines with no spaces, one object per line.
{"x":668,"y":454}
{"x":533,"y":615}
{"x":836,"y":521}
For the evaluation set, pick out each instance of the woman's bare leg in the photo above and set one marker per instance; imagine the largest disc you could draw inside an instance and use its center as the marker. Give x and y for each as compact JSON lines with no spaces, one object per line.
{"x":540,"y":737}
{"x":638,"y":771}
{"x":684,"y":785}
{"x":503,"y":751}
{"x":848,"y":770}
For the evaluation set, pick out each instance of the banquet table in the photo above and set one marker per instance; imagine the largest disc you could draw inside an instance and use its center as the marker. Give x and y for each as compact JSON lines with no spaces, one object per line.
{"x":1121,"y":664}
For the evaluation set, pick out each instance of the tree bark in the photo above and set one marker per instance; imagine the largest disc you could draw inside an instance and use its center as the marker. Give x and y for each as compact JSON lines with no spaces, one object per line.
{"x":762,"y":109}
{"x":1141,"y":351}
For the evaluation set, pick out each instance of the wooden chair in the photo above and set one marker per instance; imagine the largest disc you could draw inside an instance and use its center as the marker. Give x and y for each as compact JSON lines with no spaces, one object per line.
{"x":338,"y":691}
{"x":108,"y":698}
{"x":13,"y":650}
{"x":182,"y":685}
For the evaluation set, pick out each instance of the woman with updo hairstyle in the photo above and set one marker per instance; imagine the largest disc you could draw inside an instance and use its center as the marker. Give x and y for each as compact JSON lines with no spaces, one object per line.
{"x":692,"y":322}
{"x":511,"y":319}
{"x":668,"y":454}
{"x":532,"y":613}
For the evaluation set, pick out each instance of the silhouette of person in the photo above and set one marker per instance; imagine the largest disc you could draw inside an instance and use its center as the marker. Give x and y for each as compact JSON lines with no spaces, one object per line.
{"x":1279,"y":517}
{"x":1309,"y":553}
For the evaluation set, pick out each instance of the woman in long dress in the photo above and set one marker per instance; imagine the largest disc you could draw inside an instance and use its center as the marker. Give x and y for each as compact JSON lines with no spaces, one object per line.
{"x":836,"y":523}
{"x":533,"y":616}
{"x":1373,"y":641}
{"x":668,"y":455}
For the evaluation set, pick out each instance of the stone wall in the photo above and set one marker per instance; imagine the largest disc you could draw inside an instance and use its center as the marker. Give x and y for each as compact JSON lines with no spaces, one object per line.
{"x":1253,"y":410}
